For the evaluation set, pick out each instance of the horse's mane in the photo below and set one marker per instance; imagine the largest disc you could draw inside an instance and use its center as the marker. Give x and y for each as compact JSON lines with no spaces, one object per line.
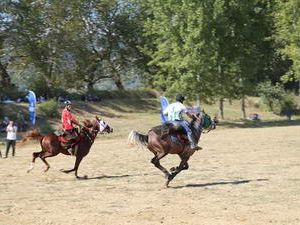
{"x":87,"y":123}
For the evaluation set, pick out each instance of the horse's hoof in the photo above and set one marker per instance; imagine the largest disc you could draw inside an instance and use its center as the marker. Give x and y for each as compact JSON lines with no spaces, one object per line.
{"x":82,"y":178}
{"x":167,"y":183}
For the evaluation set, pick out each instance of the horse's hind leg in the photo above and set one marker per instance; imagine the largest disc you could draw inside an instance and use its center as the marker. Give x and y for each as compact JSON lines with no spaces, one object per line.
{"x":34,"y":156}
{"x":43,"y":157}
{"x":156,"y":163}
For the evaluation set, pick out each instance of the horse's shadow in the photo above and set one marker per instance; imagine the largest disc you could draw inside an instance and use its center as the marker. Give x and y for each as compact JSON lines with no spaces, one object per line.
{"x":235,"y":182}
{"x":113,"y":176}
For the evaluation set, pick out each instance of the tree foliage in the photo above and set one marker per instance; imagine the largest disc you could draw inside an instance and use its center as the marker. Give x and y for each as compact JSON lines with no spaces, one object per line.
{"x":212,"y":49}
{"x":287,"y":19}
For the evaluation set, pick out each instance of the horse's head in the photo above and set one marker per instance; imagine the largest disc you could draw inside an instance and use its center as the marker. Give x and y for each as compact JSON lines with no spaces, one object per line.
{"x":103,"y":126}
{"x":204,"y":121}
{"x":207,"y":122}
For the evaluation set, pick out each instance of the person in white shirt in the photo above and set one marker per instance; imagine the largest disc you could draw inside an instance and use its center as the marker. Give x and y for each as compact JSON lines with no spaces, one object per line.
{"x":11,"y":138}
{"x":175,"y":113}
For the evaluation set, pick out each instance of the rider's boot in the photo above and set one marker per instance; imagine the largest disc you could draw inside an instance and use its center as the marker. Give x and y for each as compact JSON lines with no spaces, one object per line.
{"x":71,"y":151}
{"x":193,"y":144}
{"x":195,"y":147}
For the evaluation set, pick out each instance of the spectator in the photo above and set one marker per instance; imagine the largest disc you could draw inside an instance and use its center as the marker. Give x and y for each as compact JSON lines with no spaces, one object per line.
{"x":11,"y":138}
{"x":255,"y":117}
{"x":4,"y":124}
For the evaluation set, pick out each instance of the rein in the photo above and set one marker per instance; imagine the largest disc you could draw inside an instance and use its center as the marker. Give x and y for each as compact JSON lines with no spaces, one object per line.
{"x":87,"y":134}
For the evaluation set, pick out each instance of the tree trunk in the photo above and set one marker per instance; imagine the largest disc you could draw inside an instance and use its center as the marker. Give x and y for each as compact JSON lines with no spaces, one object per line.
{"x":118,"y":82}
{"x":90,"y":86}
{"x":221,"y":108}
{"x":243,"y":108}
{"x":5,"y":78}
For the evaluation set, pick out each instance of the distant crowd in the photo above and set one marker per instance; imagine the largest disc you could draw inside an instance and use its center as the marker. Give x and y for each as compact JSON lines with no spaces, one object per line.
{"x":41,"y":99}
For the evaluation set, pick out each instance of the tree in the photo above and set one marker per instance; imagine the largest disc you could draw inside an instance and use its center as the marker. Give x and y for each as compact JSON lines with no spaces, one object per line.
{"x":75,"y":44}
{"x":108,"y":40}
{"x":5,"y":79}
{"x":218,"y":49}
{"x":287,"y":19}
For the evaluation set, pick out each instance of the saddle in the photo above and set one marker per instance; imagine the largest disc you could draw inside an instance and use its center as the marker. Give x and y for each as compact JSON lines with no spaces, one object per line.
{"x":67,"y":140}
{"x":176,"y":133}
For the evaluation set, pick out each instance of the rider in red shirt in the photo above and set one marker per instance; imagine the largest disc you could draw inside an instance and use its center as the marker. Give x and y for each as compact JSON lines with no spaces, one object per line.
{"x":68,"y":121}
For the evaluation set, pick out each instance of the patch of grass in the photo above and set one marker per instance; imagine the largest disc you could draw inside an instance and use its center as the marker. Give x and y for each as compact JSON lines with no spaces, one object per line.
{"x":134,"y":111}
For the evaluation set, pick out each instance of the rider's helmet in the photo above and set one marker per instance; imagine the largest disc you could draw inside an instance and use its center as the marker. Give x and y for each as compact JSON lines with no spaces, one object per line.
{"x":67,"y":102}
{"x":179,"y":98}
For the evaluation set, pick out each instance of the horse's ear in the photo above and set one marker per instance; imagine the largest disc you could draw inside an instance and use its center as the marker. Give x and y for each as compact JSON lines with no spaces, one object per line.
{"x":97,"y":118}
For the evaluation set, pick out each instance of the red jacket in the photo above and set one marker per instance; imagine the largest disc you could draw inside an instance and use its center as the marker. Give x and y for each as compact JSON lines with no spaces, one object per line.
{"x":67,"y":120}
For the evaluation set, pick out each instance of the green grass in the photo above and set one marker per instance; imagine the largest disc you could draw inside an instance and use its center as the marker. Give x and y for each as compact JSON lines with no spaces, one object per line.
{"x":141,"y":112}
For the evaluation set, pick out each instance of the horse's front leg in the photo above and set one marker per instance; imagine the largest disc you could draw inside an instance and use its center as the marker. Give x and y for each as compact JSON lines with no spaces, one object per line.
{"x":182,"y":166}
{"x":77,"y":162}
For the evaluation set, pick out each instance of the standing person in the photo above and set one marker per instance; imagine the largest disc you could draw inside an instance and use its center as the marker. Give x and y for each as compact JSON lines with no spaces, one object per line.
{"x":11,"y":138}
{"x":175,"y":114}
{"x":68,"y":121}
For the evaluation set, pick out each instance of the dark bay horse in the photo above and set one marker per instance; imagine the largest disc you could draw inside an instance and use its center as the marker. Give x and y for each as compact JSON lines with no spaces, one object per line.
{"x":161,"y":146}
{"x":51,"y":145}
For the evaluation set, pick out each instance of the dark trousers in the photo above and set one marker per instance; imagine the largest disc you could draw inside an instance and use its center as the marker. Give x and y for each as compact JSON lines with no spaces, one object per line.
{"x":186,"y":126}
{"x":11,"y":143}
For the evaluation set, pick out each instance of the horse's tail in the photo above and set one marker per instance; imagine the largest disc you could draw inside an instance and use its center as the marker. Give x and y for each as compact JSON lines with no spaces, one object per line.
{"x":33,"y":134}
{"x":135,"y":138}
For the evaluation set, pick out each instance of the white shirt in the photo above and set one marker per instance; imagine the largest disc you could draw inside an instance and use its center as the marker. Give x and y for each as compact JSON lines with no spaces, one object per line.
{"x":11,"y":132}
{"x":174,"y":111}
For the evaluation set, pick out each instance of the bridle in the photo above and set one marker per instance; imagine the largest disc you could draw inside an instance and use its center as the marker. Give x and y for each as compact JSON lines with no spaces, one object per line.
{"x":102,"y":126}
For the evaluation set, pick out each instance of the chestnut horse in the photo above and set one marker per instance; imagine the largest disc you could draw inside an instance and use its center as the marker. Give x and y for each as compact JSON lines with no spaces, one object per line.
{"x":51,"y":145}
{"x":172,"y":144}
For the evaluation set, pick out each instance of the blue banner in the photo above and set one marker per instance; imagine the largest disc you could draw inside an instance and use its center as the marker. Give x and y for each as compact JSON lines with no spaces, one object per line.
{"x":163,"y":104}
{"x":31,"y":108}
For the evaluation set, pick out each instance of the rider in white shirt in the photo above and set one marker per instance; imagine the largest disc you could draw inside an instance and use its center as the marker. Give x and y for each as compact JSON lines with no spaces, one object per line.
{"x":175,"y":114}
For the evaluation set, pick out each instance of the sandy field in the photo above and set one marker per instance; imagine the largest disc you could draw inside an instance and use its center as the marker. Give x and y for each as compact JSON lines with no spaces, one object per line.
{"x":242,"y":176}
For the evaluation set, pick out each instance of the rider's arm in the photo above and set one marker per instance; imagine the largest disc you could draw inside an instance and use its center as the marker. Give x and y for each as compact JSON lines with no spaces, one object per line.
{"x":74,"y":121}
{"x":186,"y":111}
{"x":189,"y":114}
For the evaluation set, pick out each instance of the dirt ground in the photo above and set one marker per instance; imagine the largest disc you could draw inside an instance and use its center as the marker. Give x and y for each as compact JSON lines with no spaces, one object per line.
{"x":242,"y":176}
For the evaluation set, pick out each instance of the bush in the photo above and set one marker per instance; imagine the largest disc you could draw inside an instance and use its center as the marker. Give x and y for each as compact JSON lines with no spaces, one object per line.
{"x":46,"y":128}
{"x":48,"y":108}
{"x":276,"y":99}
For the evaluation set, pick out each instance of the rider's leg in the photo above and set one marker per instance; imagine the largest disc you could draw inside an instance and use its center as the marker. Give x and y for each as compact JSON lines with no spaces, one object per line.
{"x":190,"y":136}
{"x":72,"y":137}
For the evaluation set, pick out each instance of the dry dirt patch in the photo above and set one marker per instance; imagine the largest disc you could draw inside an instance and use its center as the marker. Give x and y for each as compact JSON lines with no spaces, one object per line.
{"x":243,"y":176}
